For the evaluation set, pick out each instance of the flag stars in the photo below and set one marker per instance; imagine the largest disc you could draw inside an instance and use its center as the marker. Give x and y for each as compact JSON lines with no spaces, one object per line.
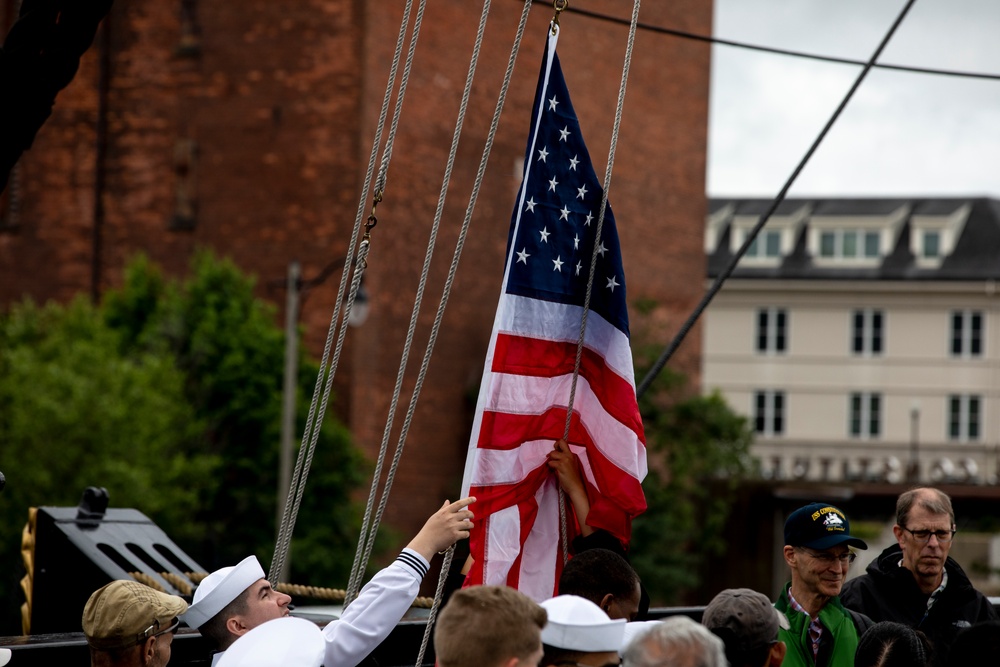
{"x":573,"y":161}
{"x":542,"y":154}
{"x":612,"y":283}
{"x":553,"y":183}
{"x":557,"y":264}
{"x":590,"y":216}
{"x":601,"y":249}
{"x":530,"y":205}
{"x":579,"y":265}
{"x":564,"y":134}
{"x":523,"y":256}
{"x":564,"y":213}
{"x":545,"y":233}
{"x":553,"y":103}
{"x":576,"y":242}
{"x":581,"y":191}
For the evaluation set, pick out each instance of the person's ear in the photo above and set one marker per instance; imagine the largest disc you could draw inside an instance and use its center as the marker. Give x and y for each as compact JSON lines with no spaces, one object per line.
{"x":236,"y":627}
{"x":898,"y":532}
{"x":606,"y":603}
{"x":777,"y":654}
{"x":147,"y":651}
{"x":789,"y":553}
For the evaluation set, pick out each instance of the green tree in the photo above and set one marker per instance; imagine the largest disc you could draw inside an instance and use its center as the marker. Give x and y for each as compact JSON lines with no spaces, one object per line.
{"x":698,"y":452}
{"x":74,"y":413}
{"x":168,"y":395}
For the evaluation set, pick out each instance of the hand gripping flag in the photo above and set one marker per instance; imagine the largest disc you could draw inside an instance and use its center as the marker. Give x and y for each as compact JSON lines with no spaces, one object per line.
{"x":529,"y":365}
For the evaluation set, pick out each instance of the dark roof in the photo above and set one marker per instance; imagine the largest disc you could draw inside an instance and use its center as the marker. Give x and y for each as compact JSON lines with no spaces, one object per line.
{"x":975,"y":256}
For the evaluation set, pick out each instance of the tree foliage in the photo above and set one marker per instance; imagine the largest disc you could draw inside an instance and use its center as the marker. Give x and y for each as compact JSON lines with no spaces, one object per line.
{"x":698,"y":451}
{"x":168,"y":395}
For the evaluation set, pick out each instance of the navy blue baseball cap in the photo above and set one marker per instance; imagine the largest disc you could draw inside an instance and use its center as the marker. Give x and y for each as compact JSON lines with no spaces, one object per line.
{"x":819,"y":526}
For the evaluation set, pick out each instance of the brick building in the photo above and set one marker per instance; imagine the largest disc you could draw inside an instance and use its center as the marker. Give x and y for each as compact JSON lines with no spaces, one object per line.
{"x":246,"y":127}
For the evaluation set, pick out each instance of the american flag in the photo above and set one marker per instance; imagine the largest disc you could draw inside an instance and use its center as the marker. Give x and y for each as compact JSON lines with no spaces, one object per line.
{"x":529,"y":365}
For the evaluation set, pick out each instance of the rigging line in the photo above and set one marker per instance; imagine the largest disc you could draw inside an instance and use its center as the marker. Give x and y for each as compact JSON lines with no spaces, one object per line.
{"x":782,"y":52}
{"x":593,"y":257}
{"x":357,"y":569}
{"x":367,"y":543}
{"x":721,"y":279}
{"x":463,"y":233}
{"x":312,"y":428}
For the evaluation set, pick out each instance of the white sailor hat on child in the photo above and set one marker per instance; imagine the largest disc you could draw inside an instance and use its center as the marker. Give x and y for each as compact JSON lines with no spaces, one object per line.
{"x":220,"y":588}
{"x":283,"y":641}
{"x":578,"y":624}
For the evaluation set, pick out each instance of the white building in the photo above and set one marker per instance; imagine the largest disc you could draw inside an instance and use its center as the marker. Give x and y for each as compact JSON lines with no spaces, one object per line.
{"x":861,"y":335}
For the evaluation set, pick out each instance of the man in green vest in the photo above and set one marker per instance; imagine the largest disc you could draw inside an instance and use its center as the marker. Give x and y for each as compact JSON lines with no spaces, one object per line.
{"x":821,"y":632}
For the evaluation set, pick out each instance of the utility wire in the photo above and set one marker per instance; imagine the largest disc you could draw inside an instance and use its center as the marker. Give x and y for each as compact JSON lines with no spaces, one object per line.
{"x":781,"y":52}
{"x":721,"y":279}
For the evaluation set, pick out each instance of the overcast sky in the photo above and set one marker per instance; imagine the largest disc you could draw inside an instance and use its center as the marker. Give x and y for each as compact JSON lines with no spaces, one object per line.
{"x":901,"y":134}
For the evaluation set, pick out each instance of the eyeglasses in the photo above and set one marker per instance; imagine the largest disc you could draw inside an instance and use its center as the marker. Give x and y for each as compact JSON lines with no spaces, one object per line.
{"x":924,"y":536}
{"x":828,"y":559}
{"x":151,"y":631}
{"x":570,"y":663}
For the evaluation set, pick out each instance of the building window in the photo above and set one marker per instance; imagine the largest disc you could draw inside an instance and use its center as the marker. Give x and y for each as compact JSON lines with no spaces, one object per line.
{"x":931,"y":247}
{"x":766,"y":244}
{"x":966,"y":333}
{"x":964,"y":417}
{"x":849,"y":244}
{"x":866,"y":415}
{"x":868,"y":331}
{"x":769,"y":412}
{"x":772,"y":330}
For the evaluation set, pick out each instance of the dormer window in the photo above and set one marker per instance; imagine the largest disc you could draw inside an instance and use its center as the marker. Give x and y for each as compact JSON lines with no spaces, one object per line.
{"x":773,"y":242}
{"x":767,"y":244}
{"x":930,"y":245}
{"x":933,"y":235}
{"x":843,"y":238}
{"x":849,"y":244}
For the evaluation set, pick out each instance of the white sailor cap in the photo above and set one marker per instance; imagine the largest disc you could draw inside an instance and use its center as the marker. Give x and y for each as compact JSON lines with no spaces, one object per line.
{"x":284,"y":641}
{"x":578,"y":624}
{"x":220,"y":588}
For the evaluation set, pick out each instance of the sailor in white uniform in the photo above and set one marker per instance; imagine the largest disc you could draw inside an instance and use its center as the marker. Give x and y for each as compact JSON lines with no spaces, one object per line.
{"x":232,"y":601}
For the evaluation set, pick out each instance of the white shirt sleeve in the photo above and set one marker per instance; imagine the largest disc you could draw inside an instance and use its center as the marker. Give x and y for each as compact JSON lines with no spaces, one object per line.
{"x":378,"y":608}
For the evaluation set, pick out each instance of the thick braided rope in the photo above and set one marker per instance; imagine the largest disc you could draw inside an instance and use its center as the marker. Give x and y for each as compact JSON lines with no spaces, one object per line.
{"x":365,"y":544}
{"x":495,"y":122}
{"x":397,"y":110}
{"x":453,"y":268}
{"x":438,"y":593}
{"x":314,"y":419}
{"x":593,"y":257}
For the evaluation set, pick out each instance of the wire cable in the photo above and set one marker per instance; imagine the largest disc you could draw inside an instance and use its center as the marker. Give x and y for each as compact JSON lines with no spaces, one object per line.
{"x":781,"y":52}
{"x":721,"y":279}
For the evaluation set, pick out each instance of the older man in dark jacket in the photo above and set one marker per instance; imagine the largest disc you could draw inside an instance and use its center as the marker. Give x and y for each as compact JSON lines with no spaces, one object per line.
{"x":915,"y":582}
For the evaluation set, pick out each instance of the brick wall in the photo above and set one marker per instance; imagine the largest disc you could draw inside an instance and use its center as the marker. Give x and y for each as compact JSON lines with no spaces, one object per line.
{"x":264,"y":135}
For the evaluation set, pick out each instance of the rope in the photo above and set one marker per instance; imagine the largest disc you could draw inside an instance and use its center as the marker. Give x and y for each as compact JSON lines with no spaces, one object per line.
{"x":593,"y":257}
{"x":365,"y":543}
{"x":453,"y":268}
{"x":721,"y":279}
{"x":314,"y":421}
{"x":436,"y":603}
